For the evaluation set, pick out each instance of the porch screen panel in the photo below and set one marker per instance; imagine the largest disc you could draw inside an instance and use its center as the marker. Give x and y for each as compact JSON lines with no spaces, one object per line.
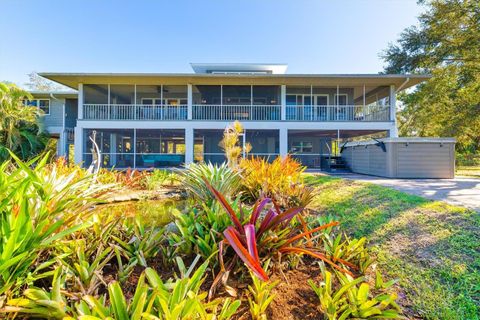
{"x":265,"y":143}
{"x":237,"y":95}
{"x":206,"y":94}
{"x":116,"y":147}
{"x":122,"y":94}
{"x":206,"y":102}
{"x":160,"y":148}
{"x":206,"y":146}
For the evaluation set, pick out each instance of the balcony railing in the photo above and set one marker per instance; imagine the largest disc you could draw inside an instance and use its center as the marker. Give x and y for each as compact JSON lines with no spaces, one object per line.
{"x":338,"y":113}
{"x":134,"y":112}
{"x":236,"y":112}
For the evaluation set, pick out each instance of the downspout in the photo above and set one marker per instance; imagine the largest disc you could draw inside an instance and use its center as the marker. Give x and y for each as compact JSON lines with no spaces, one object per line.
{"x":402,"y":85}
{"x":63,"y":124}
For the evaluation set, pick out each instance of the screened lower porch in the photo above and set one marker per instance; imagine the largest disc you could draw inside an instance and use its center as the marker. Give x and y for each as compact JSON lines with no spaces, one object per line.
{"x":136,"y":148}
{"x":264,"y":143}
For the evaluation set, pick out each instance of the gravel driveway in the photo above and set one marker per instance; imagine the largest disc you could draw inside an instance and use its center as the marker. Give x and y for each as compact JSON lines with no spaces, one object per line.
{"x":460,"y":191}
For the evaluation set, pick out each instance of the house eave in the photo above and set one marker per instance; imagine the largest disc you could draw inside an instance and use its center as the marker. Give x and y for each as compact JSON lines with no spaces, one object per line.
{"x":72,"y":80}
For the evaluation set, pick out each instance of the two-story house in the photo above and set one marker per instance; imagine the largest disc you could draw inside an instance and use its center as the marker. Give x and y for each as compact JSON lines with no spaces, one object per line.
{"x":152,"y":120}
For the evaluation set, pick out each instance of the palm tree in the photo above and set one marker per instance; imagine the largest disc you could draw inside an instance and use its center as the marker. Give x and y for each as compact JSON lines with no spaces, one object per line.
{"x":19,"y":129}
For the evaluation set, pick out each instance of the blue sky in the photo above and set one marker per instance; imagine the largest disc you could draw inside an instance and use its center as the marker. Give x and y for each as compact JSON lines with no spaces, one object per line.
{"x":165,"y":36}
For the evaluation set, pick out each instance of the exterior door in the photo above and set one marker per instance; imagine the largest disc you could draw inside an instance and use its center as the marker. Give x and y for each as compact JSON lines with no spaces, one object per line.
{"x":175,"y":108}
{"x":342,"y":113}
{"x":315,"y":107}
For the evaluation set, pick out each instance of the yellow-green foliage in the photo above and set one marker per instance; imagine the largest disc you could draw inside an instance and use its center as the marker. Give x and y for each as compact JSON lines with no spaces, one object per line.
{"x":231,"y":144}
{"x":281,"y":179}
{"x":39,"y":207}
{"x":352,"y":299}
{"x":260,"y":297}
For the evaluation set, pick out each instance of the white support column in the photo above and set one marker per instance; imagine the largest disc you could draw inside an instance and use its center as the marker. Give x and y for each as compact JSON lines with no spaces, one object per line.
{"x":189,"y":141}
{"x":62,"y":142}
{"x":80,"y":101}
{"x":283,"y":132}
{"x":134,"y":148}
{"x":189,"y":102}
{"x":283,"y":99}
{"x":338,"y":100}
{"x":364,"y":98}
{"x":78,"y":147}
{"x":393,"y":112}
{"x":113,"y":149}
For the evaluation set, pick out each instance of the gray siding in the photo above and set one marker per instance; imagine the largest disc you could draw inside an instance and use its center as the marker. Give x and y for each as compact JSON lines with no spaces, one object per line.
{"x":55,"y":118}
{"x":404,"y":158}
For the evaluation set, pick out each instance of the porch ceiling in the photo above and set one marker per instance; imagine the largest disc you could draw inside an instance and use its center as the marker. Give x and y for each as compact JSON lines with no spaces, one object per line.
{"x":329,"y":80}
{"x":331,"y":133}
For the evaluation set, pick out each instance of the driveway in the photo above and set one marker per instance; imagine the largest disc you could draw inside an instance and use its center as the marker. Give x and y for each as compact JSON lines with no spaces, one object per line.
{"x":460,"y":191}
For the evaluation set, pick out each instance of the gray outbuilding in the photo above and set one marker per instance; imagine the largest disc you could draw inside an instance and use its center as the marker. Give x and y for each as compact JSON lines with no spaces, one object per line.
{"x":402,"y":157}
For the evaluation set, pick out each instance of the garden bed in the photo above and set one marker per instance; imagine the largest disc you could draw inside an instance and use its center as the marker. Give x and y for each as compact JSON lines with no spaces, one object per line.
{"x":257,"y":240}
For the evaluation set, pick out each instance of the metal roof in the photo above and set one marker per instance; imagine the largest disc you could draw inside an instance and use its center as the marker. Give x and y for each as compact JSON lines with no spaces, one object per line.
{"x":73,"y":79}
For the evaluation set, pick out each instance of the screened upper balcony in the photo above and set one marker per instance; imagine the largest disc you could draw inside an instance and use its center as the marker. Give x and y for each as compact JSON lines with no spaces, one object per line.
{"x":226,"y":102}
{"x":234,"y":102}
{"x":134,"y":102}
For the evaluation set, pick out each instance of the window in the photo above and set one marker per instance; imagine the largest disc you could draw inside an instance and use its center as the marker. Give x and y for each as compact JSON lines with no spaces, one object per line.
{"x":302,"y":147}
{"x":151,"y":101}
{"x":341,"y":98}
{"x":42,"y":104}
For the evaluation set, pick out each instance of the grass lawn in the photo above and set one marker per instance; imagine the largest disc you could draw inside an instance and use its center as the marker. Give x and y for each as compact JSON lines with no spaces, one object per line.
{"x":432,"y":247}
{"x":470,"y":171}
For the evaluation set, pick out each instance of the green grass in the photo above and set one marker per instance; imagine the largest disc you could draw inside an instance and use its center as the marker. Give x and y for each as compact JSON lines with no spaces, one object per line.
{"x":468,"y":171}
{"x":432,"y":247}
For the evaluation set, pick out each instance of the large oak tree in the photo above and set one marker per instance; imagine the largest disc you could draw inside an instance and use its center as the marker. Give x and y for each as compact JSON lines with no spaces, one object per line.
{"x":446,"y":44}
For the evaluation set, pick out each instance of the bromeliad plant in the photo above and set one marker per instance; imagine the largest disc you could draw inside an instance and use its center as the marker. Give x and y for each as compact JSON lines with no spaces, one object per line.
{"x":221,"y":177}
{"x":261,"y":297}
{"x":268,"y":235}
{"x":351,"y":251}
{"x":138,"y":242}
{"x":353,"y":299}
{"x":39,"y":206}
{"x":199,"y":230}
{"x":281,"y":180}
{"x":153,"y":298}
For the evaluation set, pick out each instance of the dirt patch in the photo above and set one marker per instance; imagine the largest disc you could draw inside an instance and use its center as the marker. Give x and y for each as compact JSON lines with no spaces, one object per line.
{"x":294,"y":298}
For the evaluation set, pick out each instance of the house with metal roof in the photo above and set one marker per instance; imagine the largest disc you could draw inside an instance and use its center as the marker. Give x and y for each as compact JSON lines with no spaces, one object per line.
{"x":150,"y":120}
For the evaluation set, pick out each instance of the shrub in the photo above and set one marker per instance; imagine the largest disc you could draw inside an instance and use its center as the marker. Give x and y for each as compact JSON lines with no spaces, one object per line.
{"x":19,"y":127}
{"x":222,"y":178}
{"x":468,"y":159}
{"x":280,"y":180}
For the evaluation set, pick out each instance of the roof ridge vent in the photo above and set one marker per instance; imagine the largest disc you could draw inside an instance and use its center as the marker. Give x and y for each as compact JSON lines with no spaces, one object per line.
{"x":239,"y":68}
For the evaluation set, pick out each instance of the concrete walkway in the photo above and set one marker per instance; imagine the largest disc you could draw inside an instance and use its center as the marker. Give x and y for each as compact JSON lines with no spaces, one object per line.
{"x":461,"y":191}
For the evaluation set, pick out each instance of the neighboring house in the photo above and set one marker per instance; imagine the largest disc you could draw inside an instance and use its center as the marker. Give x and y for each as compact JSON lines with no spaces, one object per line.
{"x":59,"y":116}
{"x":154,"y":120}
